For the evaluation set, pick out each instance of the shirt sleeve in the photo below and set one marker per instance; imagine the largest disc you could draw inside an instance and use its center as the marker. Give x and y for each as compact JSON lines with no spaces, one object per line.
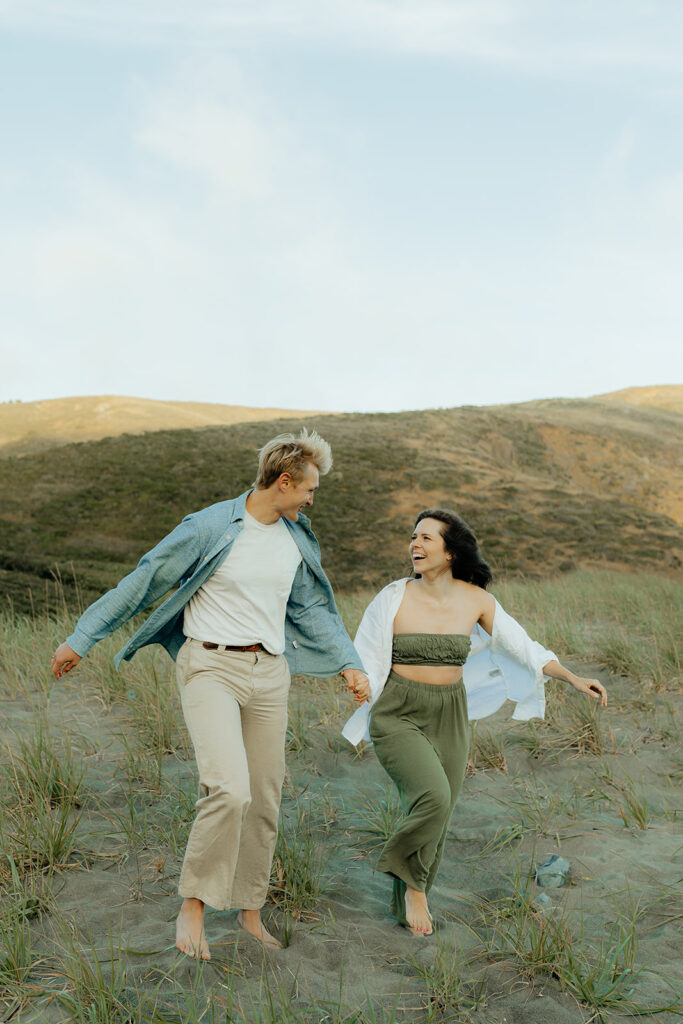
{"x":317,"y":626}
{"x":373,"y":643}
{"x":157,"y":572}
{"x":370,"y":642}
{"x":522,"y":660}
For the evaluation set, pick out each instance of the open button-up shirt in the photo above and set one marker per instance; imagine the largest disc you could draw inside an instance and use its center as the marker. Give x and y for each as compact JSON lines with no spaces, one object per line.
{"x":508,"y":665}
{"x":316,"y":641}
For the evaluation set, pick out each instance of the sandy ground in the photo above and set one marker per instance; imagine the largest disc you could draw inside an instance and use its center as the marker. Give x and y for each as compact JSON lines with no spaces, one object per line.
{"x":347,"y":960}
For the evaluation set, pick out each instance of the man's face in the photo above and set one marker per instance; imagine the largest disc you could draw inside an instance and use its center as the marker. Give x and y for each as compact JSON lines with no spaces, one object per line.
{"x":295,"y":497}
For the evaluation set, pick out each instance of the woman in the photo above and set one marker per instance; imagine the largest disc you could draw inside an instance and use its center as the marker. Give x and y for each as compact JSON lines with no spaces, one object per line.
{"x":420,"y":640}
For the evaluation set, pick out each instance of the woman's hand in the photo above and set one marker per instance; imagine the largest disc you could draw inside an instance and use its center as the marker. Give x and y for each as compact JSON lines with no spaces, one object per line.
{"x":593,"y":687}
{"x":358,"y":683}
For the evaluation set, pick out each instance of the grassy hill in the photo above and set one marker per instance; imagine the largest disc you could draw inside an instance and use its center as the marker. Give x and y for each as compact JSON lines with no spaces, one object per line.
{"x":36,"y":426}
{"x":548,"y":486}
{"x":27,"y":427}
{"x":662,"y":396}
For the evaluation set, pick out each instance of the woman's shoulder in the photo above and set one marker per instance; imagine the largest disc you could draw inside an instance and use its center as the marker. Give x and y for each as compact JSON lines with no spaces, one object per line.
{"x":481,"y":604}
{"x":471,"y":592}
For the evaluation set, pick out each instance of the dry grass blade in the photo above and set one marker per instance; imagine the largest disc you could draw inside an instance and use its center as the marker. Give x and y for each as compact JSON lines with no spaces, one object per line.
{"x":487,"y":751}
{"x":505,"y":836}
{"x":536,"y":807}
{"x":585,"y":732}
{"x":575,"y":725}
{"x":16,"y":957}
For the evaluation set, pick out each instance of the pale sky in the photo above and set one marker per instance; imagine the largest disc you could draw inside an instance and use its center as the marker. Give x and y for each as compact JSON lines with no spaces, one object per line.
{"x":340,"y":204}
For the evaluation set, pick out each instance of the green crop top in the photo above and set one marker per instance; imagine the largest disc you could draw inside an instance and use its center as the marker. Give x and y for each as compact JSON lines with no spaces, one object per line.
{"x":430,"y":648}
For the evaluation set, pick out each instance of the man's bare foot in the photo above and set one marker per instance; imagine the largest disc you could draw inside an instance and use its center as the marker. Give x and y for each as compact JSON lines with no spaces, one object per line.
{"x":250,"y":920}
{"x":189,"y":930}
{"x":417,"y":913}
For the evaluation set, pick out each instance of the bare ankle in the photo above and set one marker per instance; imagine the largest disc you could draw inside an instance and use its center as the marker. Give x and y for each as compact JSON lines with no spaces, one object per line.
{"x":192,"y":904}
{"x":250,"y":917}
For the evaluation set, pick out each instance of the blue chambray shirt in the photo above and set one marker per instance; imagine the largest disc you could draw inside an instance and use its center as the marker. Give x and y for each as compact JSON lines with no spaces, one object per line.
{"x":316,"y":642}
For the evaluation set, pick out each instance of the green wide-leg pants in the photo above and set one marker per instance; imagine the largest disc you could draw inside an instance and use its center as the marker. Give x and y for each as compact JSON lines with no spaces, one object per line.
{"x":421,"y":738}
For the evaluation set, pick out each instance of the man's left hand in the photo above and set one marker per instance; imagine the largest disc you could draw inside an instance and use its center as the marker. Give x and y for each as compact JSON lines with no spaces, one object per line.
{"x":358,"y":683}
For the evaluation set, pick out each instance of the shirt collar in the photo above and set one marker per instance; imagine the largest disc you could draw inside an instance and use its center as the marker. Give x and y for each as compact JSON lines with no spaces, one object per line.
{"x":239,"y":506}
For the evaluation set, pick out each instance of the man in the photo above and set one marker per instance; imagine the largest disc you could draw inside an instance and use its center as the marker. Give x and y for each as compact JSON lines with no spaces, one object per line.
{"x":253,"y":604}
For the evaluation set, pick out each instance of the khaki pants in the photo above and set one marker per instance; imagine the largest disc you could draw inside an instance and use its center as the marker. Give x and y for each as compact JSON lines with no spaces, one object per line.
{"x":235,"y":708}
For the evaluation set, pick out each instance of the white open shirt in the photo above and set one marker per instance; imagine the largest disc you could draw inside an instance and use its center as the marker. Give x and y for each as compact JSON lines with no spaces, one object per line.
{"x":508,"y":665}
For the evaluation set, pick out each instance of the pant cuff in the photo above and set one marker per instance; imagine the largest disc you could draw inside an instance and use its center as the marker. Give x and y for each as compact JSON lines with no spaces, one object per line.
{"x":248,"y":901}
{"x":194,"y":892}
{"x":400,"y":871}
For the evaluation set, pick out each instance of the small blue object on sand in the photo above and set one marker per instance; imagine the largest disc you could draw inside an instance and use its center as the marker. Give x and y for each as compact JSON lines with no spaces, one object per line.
{"x":553,"y":873}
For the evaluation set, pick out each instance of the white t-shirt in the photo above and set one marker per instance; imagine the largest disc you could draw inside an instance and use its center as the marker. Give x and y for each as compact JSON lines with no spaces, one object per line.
{"x":245,"y":599}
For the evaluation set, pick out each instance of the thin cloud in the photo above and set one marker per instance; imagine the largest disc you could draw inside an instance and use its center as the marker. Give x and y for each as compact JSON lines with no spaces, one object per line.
{"x":538,"y":36}
{"x":223,"y":228}
{"x":220,"y":142}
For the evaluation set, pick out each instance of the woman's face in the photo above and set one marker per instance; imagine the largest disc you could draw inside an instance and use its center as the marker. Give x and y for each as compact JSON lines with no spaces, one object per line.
{"x":427,"y":548}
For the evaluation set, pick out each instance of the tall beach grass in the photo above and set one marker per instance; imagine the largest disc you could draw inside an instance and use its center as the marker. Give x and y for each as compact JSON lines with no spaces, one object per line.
{"x":127,"y":789}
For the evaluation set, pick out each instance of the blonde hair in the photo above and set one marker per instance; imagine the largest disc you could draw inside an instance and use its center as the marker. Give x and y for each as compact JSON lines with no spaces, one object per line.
{"x":289,"y":454}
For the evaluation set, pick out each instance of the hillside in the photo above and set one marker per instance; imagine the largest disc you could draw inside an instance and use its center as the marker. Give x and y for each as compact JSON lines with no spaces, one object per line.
{"x":29,"y":427}
{"x":548,"y":486}
{"x":34,"y":426}
{"x":663,"y":396}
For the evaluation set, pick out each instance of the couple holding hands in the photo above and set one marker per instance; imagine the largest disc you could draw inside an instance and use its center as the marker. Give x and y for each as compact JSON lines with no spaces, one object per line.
{"x":250,"y":605}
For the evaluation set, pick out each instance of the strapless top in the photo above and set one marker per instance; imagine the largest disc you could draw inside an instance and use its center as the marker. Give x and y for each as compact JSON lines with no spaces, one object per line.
{"x":430,"y":648}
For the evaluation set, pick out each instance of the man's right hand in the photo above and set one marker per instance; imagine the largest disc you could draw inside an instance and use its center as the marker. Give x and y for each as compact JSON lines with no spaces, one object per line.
{"x":63,"y":660}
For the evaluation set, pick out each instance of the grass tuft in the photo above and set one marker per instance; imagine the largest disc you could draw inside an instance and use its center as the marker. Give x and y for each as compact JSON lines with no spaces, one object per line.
{"x":487,"y":751}
{"x":300,"y":730}
{"x":95,"y":985}
{"x":298,"y":875}
{"x":515,"y":928}
{"x":447,"y":995}
{"x":41,"y":773}
{"x":16,"y":958}
{"x":631,"y":803}
{"x":375,"y":817}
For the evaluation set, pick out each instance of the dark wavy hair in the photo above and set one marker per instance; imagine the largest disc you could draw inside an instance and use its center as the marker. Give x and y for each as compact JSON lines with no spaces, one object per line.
{"x":467,"y":562}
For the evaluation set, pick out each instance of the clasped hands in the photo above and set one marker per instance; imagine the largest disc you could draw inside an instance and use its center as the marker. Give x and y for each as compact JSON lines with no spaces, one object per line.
{"x":358,"y":684}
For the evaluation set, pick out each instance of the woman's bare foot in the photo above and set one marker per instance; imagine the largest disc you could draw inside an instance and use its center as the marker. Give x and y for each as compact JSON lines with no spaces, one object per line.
{"x":189,"y":930}
{"x":417,"y":913}
{"x":250,"y":920}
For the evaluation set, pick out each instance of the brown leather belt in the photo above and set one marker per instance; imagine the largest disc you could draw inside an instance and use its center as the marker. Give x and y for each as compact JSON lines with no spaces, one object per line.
{"x":229,"y":647}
